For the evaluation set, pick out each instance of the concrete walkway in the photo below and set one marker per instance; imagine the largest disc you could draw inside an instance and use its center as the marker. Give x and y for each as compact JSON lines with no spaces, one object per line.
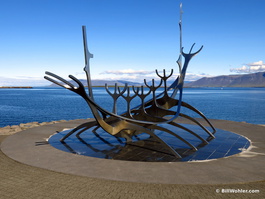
{"x":18,"y":180}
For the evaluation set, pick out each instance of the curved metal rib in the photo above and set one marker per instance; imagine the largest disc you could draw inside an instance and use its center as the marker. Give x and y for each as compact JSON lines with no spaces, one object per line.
{"x":198,"y":123}
{"x":83,"y":126}
{"x":201,"y":114}
{"x":175,"y":135}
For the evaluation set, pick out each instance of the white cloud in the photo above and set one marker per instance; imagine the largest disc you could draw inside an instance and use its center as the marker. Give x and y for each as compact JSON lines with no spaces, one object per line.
{"x":128,"y":75}
{"x":128,"y":72}
{"x":194,"y":77}
{"x":133,"y":78}
{"x":125,"y":74}
{"x":140,"y":75}
{"x":254,"y":67}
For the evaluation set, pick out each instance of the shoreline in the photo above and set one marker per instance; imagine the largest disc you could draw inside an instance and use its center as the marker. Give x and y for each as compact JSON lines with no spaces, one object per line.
{"x":10,"y":130}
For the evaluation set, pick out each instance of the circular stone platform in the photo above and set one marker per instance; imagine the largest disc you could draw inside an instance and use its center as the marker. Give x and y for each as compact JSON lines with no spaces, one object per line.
{"x":31,"y":147}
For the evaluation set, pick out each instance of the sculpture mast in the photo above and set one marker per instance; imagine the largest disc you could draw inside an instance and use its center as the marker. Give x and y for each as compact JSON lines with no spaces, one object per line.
{"x":88,"y":55}
{"x":180,"y":37}
{"x":179,"y":61}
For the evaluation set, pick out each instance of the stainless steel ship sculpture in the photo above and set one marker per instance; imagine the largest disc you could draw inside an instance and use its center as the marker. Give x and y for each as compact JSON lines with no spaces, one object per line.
{"x":151,"y":115}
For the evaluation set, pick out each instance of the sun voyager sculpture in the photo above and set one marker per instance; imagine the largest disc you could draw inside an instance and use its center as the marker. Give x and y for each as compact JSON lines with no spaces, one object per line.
{"x":156,"y":114}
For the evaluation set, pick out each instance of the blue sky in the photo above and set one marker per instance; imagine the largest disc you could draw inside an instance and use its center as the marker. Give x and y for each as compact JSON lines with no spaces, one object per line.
{"x":129,"y":38}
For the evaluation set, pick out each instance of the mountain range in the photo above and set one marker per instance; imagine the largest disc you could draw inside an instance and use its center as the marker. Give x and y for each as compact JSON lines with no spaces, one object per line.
{"x":246,"y":80}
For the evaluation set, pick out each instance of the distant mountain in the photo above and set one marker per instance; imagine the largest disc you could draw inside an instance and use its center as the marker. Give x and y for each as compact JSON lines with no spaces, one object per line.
{"x":248,"y":80}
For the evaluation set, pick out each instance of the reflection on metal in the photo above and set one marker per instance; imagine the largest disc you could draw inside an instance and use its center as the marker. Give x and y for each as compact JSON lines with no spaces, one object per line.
{"x":162,"y":108}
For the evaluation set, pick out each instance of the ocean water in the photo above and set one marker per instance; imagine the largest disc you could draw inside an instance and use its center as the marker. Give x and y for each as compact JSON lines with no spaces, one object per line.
{"x":49,"y":104}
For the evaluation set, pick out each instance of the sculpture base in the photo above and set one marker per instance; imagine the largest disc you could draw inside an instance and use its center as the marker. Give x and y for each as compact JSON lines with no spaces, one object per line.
{"x":31,"y":147}
{"x":144,"y":148}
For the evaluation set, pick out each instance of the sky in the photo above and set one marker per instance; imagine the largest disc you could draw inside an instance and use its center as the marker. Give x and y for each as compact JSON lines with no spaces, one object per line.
{"x":128,"y":38}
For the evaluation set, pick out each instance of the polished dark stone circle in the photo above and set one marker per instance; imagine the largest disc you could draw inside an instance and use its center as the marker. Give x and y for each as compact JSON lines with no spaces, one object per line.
{"x":145,"y":148}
